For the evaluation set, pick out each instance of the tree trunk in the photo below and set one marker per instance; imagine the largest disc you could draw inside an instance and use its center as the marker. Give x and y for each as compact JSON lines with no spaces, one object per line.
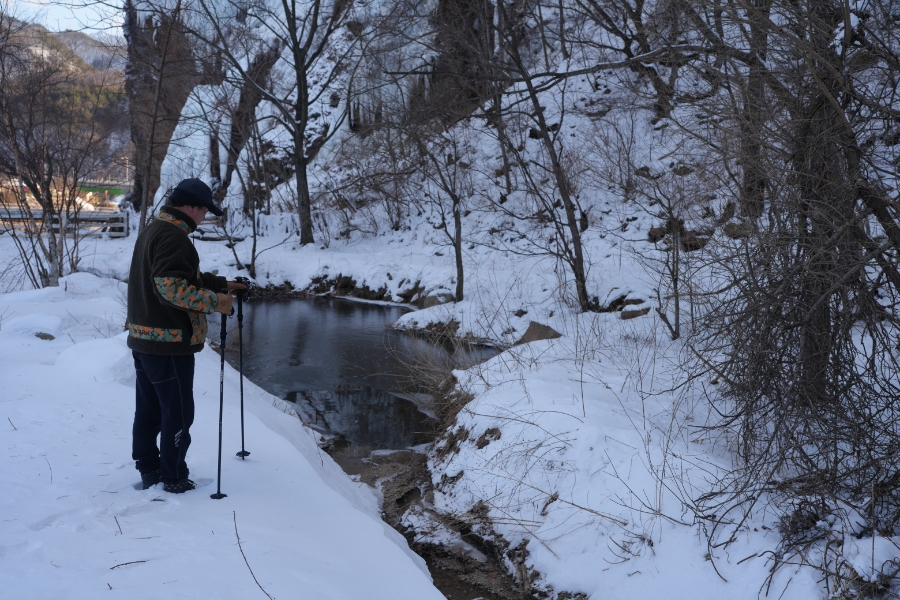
{"x":457,"y":248}
{"x":301,"y":119}
{"x":753,"y":187}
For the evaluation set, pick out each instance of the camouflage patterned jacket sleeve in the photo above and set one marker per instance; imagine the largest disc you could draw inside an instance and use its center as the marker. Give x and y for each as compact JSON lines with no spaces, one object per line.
{"x":178,"y":281}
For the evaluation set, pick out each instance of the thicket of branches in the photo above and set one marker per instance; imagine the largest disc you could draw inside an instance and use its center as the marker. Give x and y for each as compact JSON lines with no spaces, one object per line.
{"x":763,"y":136}
{"x":781,"y":191}
{"x":788,"y":113}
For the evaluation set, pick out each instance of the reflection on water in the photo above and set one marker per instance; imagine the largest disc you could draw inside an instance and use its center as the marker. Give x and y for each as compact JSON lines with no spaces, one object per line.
{"x":368,"y":417}
{"x":338,"y":361}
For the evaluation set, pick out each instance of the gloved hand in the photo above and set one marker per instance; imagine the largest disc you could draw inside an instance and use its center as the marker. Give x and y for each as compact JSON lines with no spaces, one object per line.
{"x":236,"y":287}
{"x":225,"y":304}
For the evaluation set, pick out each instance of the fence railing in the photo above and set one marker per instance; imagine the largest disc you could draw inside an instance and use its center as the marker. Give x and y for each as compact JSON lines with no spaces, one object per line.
{"x":94,"y":222}
{"x":108,"y":183}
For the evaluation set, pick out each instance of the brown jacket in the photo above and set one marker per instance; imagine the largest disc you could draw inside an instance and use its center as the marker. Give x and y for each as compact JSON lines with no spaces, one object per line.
{"x":168,"y":296}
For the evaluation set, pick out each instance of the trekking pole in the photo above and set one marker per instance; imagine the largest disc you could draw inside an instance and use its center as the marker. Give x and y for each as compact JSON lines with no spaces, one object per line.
{"x":240,"y":317}
{"x":219,"y":495}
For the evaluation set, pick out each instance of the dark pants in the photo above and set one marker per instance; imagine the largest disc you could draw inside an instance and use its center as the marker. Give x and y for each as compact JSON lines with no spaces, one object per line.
{"x":164,"y":407}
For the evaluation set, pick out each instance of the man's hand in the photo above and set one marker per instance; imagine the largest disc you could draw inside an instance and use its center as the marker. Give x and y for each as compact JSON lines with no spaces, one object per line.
{"x":236,"y":287}
{"x":225,"y":304}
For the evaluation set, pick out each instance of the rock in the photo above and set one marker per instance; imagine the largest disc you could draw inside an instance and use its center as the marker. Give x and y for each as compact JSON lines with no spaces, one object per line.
{"x":694,"y":240}
{"x":656,"y":234}
{"x":490,"y":435}
{"x":631,"y":314}
{"x":614,"y":304}
{"x":356,"y":27}
{"x":737,"y":231}
{"x":727,"y":213}
{"x":646,"y":173}
{"x":411,"y":294}
{"x":435,"y":299}
{"x":537,"y":332}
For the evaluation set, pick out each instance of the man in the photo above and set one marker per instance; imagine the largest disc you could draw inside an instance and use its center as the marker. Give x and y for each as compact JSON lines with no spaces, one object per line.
{"x":168,"y":300}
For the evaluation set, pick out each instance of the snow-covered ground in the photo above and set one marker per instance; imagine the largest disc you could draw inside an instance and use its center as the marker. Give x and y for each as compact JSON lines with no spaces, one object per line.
{"x":578,"y":432}
{"x":574,"y":451}
{"x":578,"y":452}
{"x":73,"y":526}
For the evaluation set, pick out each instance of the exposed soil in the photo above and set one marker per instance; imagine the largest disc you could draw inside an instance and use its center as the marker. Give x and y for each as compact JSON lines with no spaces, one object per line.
{"x":403,"y":480}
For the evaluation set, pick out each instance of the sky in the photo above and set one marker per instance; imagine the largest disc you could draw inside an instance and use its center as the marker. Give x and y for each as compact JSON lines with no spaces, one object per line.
{"x":59,"y":15}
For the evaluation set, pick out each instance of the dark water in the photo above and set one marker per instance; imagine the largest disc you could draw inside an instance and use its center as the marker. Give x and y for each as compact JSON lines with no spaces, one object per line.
{"x":339,"y":362}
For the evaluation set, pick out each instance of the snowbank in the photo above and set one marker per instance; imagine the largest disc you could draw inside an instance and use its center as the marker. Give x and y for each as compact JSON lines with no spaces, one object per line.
{"x":576,"y":457}
{"x":73,"y":526}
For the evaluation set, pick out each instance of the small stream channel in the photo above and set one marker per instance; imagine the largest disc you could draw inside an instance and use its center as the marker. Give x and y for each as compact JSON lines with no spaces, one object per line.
{"x":337,"y":361}
{"x":347,"y":372}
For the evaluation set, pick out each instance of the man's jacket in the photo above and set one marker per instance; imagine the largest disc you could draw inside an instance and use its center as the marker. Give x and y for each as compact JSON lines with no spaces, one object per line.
{"x":168,"y":296}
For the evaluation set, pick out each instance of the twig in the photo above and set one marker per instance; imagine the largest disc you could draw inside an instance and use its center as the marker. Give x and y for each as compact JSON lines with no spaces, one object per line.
{"x":117,"y":523}
{"x":712,"y":561}
{"x":11,"y":423}
{"x":234,"y":514}
{"x":51,"y":469}
{"x":572,"y":504}
{"x":134,"y":562}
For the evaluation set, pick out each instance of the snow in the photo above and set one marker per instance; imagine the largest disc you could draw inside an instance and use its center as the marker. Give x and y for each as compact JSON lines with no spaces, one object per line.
{"x":71,"y":518}
{"x":593,"y":418}
{"x":573,"y":469}
{"x":590,"y":417}
{"x":593,"y":460}
{"x":585,"y":451}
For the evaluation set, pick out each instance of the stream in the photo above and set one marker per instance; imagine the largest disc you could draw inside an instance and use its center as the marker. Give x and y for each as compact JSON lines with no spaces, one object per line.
{"x":348,"y":374}
{"x":344,"y":367}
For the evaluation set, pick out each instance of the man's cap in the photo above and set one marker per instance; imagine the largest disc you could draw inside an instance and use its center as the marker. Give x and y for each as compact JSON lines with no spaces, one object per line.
{"x":193,"y":192}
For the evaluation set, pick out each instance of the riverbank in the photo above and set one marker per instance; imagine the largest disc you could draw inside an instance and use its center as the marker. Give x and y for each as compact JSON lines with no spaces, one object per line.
{"x":75,"y":527}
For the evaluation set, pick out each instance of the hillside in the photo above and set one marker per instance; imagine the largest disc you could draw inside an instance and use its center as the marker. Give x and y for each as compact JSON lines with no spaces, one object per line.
{"x":100,"y":52}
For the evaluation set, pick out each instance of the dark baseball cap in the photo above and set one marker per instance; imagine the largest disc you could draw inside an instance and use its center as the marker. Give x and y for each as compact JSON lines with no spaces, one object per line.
{"x":193,"y":192}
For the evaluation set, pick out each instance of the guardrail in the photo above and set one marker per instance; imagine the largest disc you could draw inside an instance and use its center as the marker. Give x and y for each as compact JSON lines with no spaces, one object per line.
{"x":107,"y":183}
{"x":94,"y":222}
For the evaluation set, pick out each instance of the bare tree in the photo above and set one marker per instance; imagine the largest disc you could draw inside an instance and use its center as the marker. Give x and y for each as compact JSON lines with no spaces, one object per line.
{"x":165,"y":65}
{"x":447,"y":167}
{"x":58,"y":123}
{"x":311,"y":62}
{"x":244,"y":127}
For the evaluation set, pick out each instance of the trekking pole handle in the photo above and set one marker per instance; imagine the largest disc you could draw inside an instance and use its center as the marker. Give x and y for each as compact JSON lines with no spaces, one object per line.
{"x":244,"y":294}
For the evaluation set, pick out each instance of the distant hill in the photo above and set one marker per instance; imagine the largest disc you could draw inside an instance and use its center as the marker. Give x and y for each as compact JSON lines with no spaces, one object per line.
{"x":88,"y":75}
{"x":84,"y":53}
{"x":41,"y":42}
{"x":100,"y":52}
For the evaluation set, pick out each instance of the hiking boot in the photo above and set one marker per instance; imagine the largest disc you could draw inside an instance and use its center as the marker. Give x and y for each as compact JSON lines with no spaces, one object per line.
{"x":179,"y":486}
{"x":149,"y":479}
